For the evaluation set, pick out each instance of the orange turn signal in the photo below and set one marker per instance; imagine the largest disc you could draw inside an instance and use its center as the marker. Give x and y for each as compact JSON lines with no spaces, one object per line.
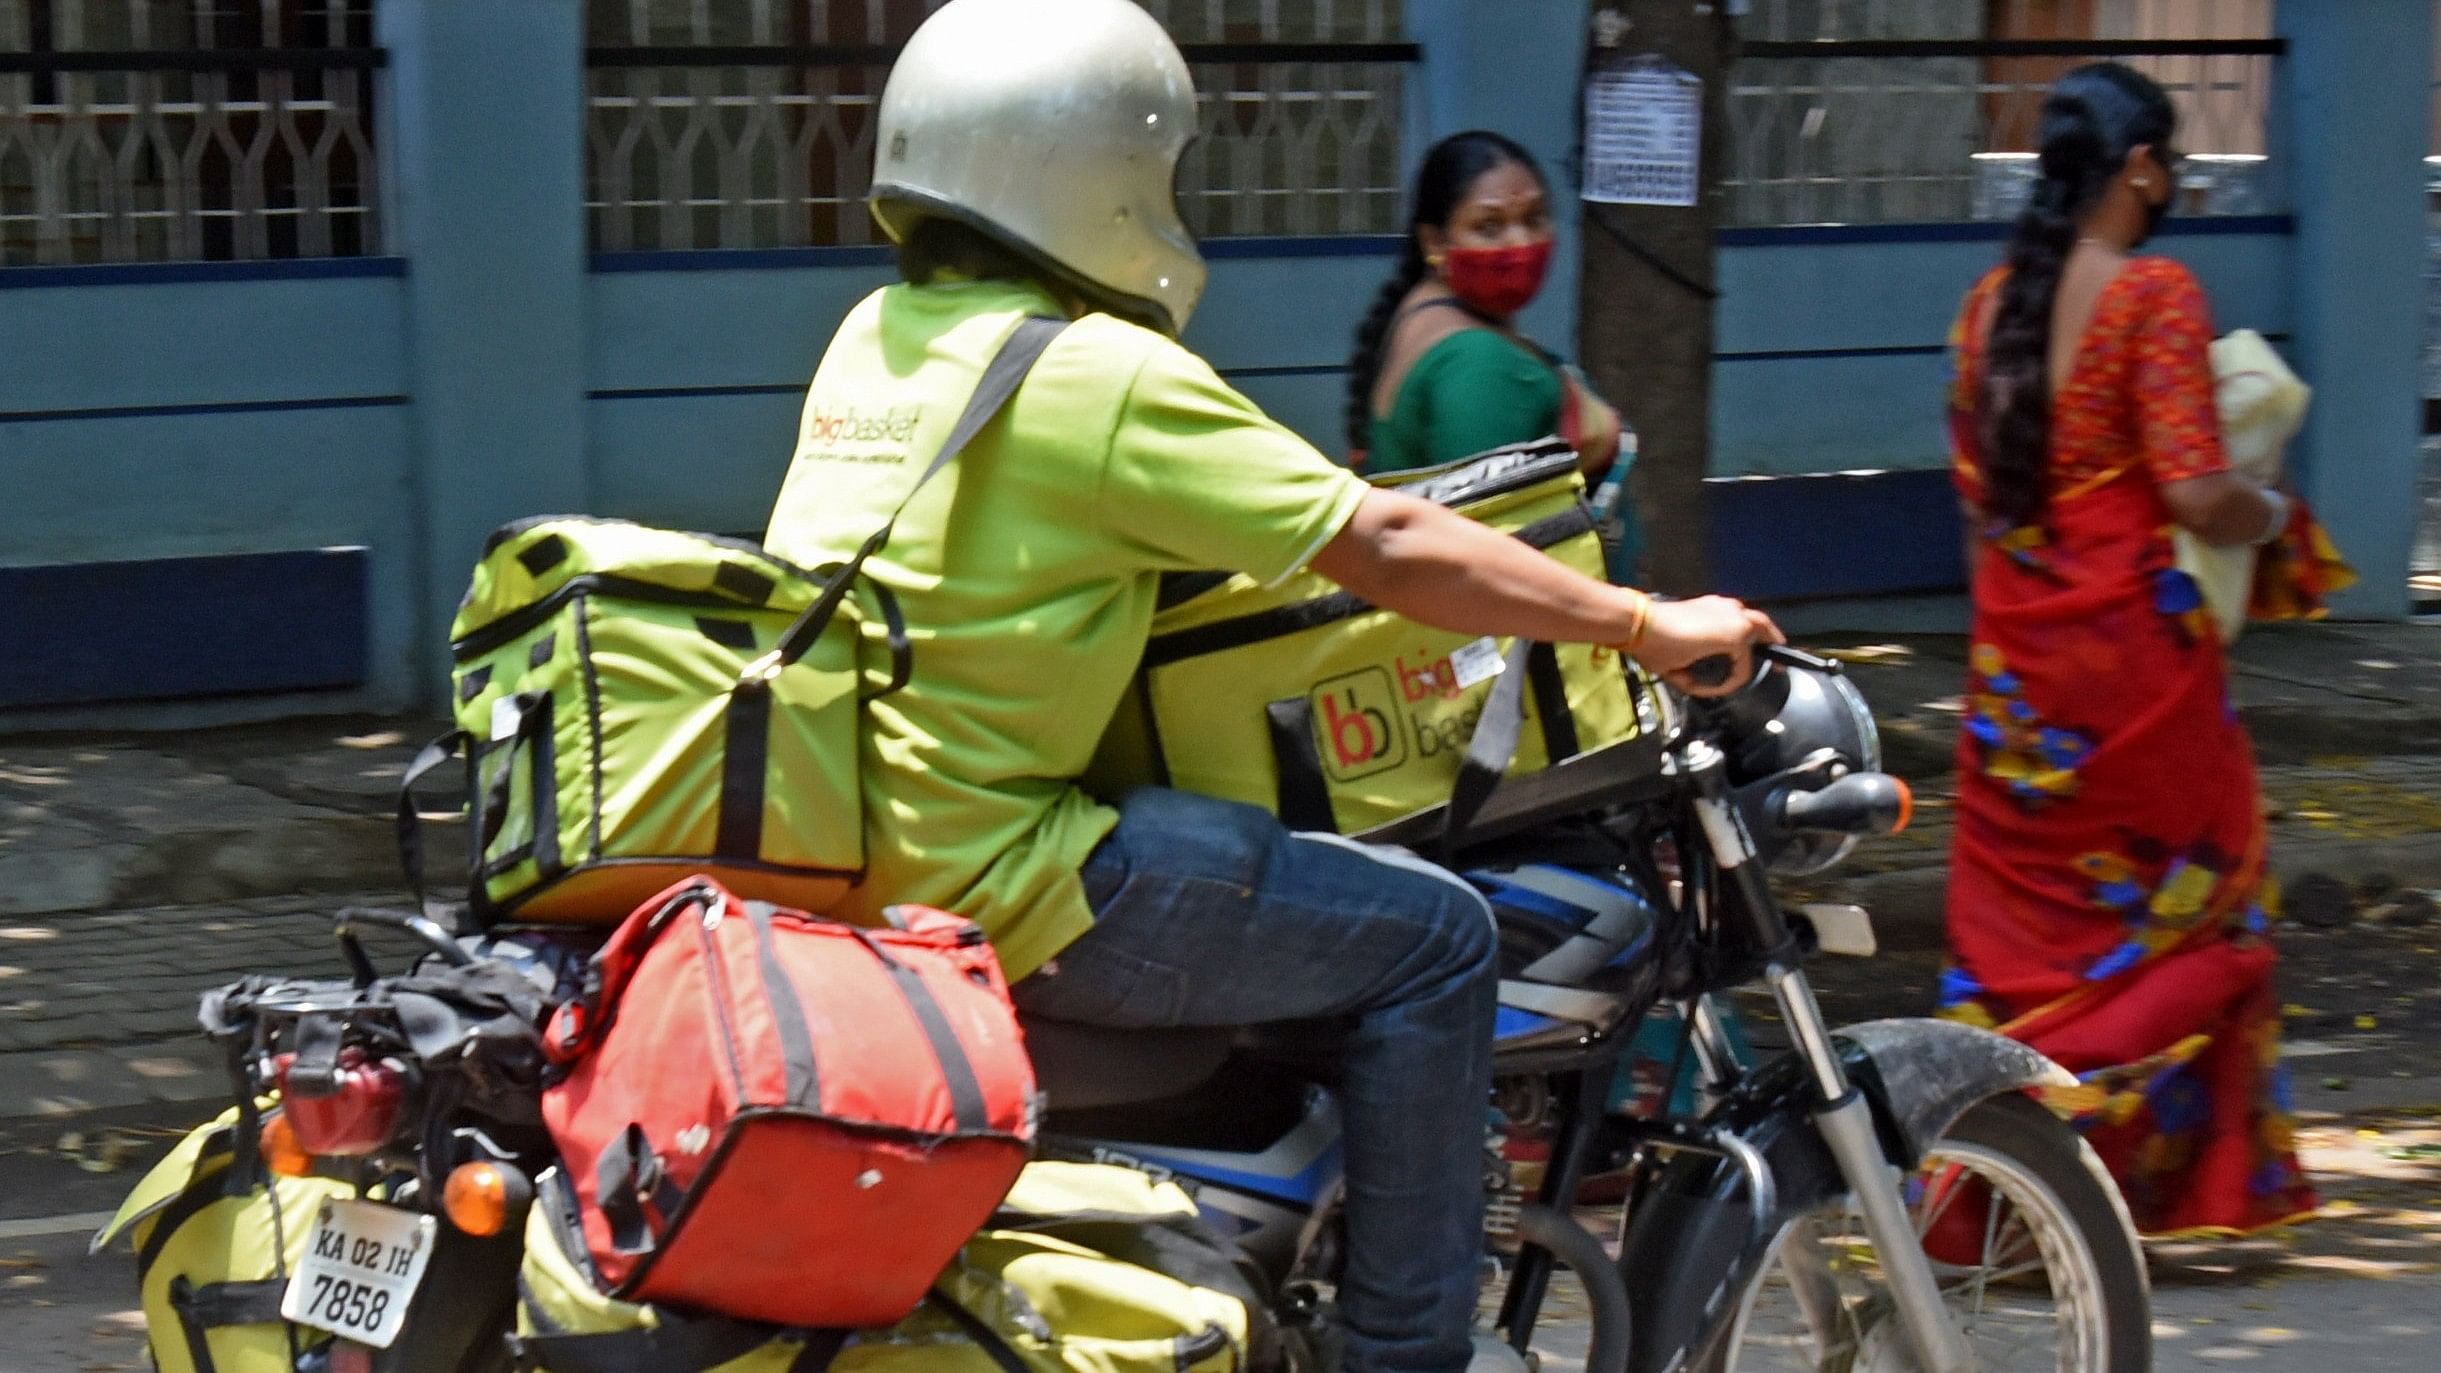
{"x":282,"y":1153}
{"x":1907,"y":806}
{"x":482,"y":1198}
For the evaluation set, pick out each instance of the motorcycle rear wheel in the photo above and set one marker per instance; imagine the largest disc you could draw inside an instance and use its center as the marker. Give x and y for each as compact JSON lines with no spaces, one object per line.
{"x":2050,"y":1277}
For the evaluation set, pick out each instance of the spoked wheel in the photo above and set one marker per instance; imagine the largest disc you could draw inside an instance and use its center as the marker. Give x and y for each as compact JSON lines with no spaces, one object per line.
{"x":2033,"y":1250}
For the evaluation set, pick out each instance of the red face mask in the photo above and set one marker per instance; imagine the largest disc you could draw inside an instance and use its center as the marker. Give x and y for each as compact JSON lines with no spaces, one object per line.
{"x":1497,"y":281}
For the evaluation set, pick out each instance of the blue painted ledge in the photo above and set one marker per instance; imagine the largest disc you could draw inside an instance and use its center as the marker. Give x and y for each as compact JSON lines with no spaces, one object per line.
{"x":233,"y":407}
{"x":176,"y":273}
{"x":1837,"y":534}
{"x":1981,"y":231}
{"x":164,"y":628}
{"x":766,"y":259}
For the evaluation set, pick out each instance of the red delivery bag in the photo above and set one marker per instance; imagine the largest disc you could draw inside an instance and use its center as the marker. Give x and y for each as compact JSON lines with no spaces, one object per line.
{"x":784,"y":1118}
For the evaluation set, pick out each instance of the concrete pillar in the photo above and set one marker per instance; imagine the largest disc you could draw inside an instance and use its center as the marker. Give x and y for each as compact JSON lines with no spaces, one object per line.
{"x":2350,"y":120}
{"x":1511,"y":68}
{"x":486,"y":135}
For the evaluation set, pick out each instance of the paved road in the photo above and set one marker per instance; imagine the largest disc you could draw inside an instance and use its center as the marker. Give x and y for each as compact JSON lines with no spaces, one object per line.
{"x":2357,"y":1293}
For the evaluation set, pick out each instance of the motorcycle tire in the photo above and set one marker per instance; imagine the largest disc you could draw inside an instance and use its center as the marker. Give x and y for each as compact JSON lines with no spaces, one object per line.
{"x":2052,"y":1229}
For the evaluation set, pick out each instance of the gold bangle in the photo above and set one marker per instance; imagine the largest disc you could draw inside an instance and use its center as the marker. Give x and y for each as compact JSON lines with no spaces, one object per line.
{"x":1643,"y":620}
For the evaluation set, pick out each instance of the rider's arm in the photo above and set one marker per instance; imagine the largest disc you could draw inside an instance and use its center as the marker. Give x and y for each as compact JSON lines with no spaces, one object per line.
{"x":1434,"y":565}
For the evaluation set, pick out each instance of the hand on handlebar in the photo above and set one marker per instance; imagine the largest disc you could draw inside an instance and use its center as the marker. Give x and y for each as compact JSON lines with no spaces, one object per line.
{"x":1705,"y":647}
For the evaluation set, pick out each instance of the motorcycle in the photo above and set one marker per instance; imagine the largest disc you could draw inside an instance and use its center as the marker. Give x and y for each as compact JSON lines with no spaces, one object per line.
{"x":421,"y":1091}
{"x":1881,"y":1197}
{"x":1787,"y":1224}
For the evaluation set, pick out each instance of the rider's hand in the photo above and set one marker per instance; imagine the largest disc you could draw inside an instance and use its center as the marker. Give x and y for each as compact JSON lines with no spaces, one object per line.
{"x":1684,"y":633}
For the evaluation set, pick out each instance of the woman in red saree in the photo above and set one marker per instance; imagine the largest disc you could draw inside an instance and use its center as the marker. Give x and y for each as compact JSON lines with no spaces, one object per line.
{"x":2108,"y":900}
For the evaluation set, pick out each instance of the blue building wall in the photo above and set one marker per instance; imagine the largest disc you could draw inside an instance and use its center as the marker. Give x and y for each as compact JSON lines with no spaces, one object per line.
{"x":695,"y":365}
{"x":154,"y":413}
{"x":403,"y":406}
{"x":1833,"y":343}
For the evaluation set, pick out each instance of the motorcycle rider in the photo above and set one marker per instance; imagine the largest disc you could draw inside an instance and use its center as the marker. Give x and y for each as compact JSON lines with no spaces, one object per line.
{"x":1026,"y":156}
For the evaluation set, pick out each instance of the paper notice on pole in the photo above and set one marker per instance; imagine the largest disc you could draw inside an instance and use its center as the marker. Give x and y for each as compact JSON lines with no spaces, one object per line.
{"x":1644,"y":123}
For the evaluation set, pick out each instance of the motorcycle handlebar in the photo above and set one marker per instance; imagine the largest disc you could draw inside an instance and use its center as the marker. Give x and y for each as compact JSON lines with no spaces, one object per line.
{"x":438,"y":940}
{"x":1714,"y":671}
{"x":1861,"y":803}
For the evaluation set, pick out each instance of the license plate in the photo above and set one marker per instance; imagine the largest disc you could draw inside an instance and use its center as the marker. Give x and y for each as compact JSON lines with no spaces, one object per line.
{"x":360,"y":1271}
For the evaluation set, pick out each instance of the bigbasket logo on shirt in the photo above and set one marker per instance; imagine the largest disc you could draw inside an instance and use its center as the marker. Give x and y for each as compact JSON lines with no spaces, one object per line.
{"x":829,"y":427}
{"x":1357,"y":717}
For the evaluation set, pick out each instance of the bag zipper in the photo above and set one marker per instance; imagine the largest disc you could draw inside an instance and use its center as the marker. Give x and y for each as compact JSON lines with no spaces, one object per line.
{"x":716,"y":983}
{"x":1533,"y":466}
{"x":509,"y":627}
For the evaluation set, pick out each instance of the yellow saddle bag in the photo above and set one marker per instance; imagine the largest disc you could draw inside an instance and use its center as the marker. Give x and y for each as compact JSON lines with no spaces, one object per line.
{"x":212,"y":1263}
{"x":1086,"y":1268}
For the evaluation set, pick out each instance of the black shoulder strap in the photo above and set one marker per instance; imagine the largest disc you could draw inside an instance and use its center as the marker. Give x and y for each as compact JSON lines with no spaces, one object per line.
{"x":1000,"y":378}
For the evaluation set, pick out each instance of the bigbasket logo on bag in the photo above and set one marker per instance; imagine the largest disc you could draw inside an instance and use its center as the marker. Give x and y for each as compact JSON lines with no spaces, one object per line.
{"x":1358,"y":718}
{"x":1449,"y":675}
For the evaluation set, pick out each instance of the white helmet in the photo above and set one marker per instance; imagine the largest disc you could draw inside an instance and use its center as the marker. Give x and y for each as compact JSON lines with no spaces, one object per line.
{"x":1055,"y":126}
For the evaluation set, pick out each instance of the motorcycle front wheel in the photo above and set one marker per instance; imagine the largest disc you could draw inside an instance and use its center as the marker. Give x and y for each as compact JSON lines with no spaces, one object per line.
{"x":2033,"y":1250}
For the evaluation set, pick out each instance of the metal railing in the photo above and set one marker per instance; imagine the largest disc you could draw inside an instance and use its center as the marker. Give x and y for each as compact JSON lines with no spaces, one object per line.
{"x":749,"y":123}
{"x":150,"y":130}
{"x":1891,"y":111}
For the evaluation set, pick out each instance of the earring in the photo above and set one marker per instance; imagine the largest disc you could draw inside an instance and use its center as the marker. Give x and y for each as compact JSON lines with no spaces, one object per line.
{"x":2141,"y":183}
{"x":1433,"y":260}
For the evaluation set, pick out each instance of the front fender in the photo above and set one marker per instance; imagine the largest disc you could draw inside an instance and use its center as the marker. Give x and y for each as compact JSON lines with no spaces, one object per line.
{"x":1921,"y":1075}
{"x":1689,"y":1229}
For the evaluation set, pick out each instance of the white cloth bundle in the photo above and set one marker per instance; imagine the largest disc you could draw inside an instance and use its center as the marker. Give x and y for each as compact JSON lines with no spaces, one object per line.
{"x":2262,"y":404}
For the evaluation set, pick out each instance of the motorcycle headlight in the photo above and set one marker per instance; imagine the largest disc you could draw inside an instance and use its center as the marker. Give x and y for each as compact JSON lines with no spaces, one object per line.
{"x":1821,"y":709}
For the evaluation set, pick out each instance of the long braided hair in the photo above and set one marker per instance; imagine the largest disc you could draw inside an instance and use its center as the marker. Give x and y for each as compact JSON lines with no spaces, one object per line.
{"x":1449,"y":170}
{"x":2091,"y":120}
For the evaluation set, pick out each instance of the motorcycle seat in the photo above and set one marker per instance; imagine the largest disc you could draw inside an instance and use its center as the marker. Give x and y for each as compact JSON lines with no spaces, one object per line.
{"x":1081,"y":1067}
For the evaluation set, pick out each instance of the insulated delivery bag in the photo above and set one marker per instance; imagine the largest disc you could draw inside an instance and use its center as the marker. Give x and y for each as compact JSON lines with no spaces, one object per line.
{"x":617,"y":740}
{"x":1337,"y":715}
{"x":637,"y":705}
{"x":785,"y":1118}
{"x":1084,"y":1268}
{"x":213,"y":1255}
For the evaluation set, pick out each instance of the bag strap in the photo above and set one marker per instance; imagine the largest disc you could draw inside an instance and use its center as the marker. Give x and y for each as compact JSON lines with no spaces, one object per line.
{"x":635,"y":1193}
{"x":967,"y":1104}
{"x":677,"y":1345}
{"x":455,"y":743}
{"x":1302,"y":799}
{"x":218,"y":1304}
{"x":1551,"y":708}
{"x":1007,"y":368}
{"x":1490,"y":751}
{"x":578,"y":1023}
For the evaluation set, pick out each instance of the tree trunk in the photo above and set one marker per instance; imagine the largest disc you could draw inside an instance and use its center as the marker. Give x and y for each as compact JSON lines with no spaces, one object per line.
{"x":1645,"y":303}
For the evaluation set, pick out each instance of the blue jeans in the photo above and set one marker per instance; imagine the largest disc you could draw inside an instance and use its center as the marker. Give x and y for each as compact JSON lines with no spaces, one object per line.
{"x":1212,"y":913}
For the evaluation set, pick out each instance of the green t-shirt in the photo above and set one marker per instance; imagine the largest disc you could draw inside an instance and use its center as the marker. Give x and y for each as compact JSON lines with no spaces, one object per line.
{"x":1027,"y":571}
{"x":1472,"y":391}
